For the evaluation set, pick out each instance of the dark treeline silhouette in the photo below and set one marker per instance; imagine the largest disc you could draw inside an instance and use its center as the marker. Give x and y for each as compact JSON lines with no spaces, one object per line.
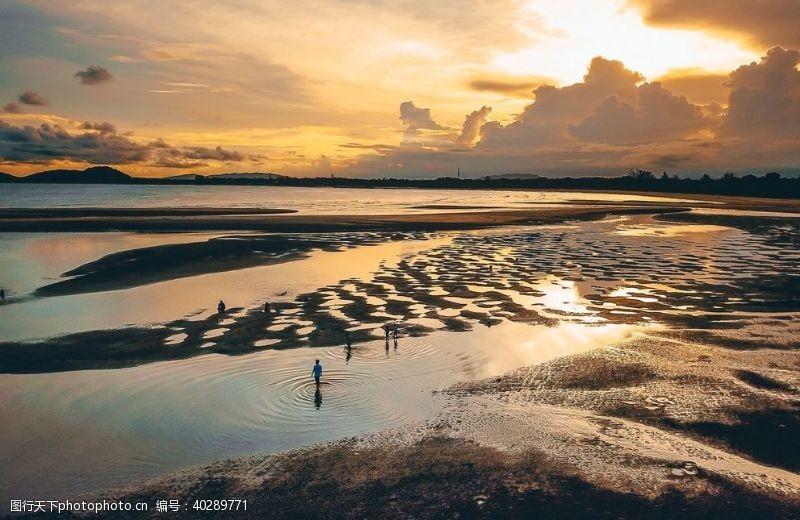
{"x":767,"y":185}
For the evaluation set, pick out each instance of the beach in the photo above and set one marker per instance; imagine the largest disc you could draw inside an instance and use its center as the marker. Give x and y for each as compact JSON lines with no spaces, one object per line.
{"x":590,"y":358}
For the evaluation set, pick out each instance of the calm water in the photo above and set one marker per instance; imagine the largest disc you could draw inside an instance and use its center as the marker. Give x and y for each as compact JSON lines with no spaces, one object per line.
{"x":304,"y":200}
{"x":109,"y":427}
{"x":159,"y":302}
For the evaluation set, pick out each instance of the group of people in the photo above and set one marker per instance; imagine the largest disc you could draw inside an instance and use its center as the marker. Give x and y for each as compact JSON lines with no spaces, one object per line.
{"x":221,"y":307}
{"x":390,"y":331}
{"x":316,"y":370}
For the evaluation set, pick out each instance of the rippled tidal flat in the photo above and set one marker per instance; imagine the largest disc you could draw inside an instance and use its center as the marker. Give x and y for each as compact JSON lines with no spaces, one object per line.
{"x":677,"y":328}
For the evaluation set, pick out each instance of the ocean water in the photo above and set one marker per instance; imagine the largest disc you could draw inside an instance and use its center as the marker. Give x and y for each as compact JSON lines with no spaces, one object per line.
{"x":303,"y":200}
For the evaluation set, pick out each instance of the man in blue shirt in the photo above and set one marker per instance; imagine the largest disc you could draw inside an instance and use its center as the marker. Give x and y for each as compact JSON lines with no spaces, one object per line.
{"x":317,"y":372}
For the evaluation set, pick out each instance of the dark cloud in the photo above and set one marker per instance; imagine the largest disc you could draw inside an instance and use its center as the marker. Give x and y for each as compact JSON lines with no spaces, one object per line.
{"x":471,"y":131}
{"x":510,"y":88}
{"x":103,"y":128}
{"x":100,"y":144}
{"x":765,"y":98}
{"x":94,"y":75}
{"x":217,"y":154}
{"x":416,"y":118}
{"x":12,"y":108}
{"x":763,"y":22}
{"x":30,"y":97}
{"x":45,"y":143}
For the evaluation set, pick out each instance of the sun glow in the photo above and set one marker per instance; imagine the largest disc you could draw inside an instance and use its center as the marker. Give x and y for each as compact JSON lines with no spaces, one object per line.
{"x":571,"y":34}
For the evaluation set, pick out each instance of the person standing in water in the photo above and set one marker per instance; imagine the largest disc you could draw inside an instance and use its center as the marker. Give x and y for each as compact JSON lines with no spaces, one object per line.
{"x":348,"y":349}
{"x":317,"y":371}
{"x":221,"y":307}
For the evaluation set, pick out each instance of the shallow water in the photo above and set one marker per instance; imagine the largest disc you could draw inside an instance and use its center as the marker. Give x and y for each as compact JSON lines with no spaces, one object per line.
{"x":602,"y":281}
{"x":110,"y":427}
{"x":198,"y":295}
{"x":329,"y":201}
{"x":31,"y":260}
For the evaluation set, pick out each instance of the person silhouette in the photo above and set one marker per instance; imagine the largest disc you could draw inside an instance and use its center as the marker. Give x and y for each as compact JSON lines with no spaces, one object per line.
{"x":316,"y":371}
{"x":221,"y":307}
{"x":266,"y":308}
{"x":394,"y":334}
{"x":3,"y":294}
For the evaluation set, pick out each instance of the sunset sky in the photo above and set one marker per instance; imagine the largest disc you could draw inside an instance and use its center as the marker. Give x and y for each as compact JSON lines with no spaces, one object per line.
{"x":408,"y":88}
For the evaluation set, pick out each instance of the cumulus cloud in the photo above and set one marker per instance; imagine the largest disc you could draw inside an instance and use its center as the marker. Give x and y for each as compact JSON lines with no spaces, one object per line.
{"x":547,"y":121}
{"x":471,"y":131}
{"x":30,"y":97}
{"x":696,"y":85}
{"x":12,"y":108}
{"x":94,"y":75}
{"x":763,"y":22}
{"x":765,"y":97}
{"x":99,"y":144}
{"x":655,"y":115}
{"x":614,"y":120}
{"x":416,"y":118}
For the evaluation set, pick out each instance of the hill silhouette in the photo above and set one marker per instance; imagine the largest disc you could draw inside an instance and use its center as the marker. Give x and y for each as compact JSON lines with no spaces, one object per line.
{"x":93,"y":175}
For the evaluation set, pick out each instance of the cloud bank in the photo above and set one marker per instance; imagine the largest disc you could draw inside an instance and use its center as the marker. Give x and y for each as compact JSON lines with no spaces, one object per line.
{"x":614,"y":120}
{"x":99,"y":143}
{"x":762,"y":23}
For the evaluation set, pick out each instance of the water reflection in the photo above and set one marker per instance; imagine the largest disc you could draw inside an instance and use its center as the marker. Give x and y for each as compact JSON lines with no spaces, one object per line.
{"x":317,"y":398}
{"x":166,"y":301}
{"x":147,"y":420}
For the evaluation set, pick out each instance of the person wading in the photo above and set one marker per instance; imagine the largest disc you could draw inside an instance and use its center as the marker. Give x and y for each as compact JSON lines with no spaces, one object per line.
{"x":317,"y":371}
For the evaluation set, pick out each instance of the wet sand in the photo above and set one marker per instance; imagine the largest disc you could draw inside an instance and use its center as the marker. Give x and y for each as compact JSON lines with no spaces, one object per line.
{"x":696,"y":416}
{"x":44,"y":220}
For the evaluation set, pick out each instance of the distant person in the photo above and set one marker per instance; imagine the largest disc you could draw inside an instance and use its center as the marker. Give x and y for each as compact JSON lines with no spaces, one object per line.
{"x":266,"y":308}
{"x":394,"y":334}
{"x":317,"y":371}
{"x":387,"y":330}
{"x":221,"y":307}
{"x":348,"y":349}
{"x":3,"y":294}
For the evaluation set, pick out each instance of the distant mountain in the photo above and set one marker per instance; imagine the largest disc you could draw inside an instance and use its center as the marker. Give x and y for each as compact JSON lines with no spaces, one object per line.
{"x":7,"y":177}
{"x":223,"y":176}
{"x":93,"y":175}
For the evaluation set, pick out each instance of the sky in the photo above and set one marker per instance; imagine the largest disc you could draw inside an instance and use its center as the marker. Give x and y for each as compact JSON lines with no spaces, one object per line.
{"x":400,"y":88}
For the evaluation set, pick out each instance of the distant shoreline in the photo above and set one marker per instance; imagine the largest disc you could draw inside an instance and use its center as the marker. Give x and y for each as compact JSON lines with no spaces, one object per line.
{"x":770,"y":185}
